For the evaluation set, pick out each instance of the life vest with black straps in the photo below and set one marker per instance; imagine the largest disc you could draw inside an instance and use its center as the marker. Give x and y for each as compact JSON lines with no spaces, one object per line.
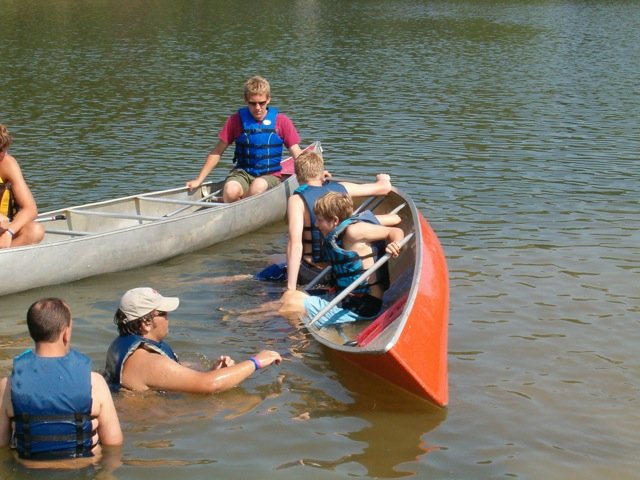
{"x":122,"y":348}
{"x":310,"y":194}
{"x":346,"y":265}
{"x":51,"y":399}
{"x":259,"y":147}
{"x":8,"y":207}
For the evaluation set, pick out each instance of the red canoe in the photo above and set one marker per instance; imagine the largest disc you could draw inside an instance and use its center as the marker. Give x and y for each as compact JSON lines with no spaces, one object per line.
{"x":407,"y":344}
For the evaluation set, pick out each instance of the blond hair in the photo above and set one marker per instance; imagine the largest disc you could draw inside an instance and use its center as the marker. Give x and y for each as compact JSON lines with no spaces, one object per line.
{"x":5,"y":138}
{"x":308,"y":165}
{"x":257,"y":85}
{"x":334,"y":204}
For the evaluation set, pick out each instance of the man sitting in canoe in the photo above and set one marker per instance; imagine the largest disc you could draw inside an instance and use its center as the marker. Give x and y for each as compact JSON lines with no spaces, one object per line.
{"x":139,"y":359}
{"x":18,"y":209}
{"x":259,"y":132}
{"x":352,"y":244}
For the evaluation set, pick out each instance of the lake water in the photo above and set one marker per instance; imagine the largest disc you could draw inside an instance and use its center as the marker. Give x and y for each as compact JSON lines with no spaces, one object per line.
{"x":513,"y":125}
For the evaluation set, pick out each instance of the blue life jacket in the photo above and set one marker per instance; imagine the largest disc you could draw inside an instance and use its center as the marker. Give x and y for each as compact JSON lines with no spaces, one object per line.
{"x":51,"y":399}
{"x":310,"y":195}
{"x":346,"y":265}
{"x":122,"y":348}
{"x":259,"y":147}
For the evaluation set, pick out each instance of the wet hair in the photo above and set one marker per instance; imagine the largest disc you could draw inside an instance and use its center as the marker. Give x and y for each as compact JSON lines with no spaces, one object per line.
{"x":131,"y":327}
{"x":308,"y":165}
{"x":5,"y":138}
{"x":334,"y":204}
{"x":47,"y":318}
{"x":257,"y":86}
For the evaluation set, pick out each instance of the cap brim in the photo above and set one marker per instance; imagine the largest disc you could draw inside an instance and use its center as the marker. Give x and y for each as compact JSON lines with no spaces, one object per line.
{"x":168,"y":304}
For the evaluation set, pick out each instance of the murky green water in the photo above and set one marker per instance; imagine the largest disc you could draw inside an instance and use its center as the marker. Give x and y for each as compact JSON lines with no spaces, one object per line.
{"x":514,"y":126}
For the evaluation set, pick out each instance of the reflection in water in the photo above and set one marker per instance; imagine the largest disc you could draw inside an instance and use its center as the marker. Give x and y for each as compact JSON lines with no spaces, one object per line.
{"x":155,"y":422}
{"x":395,"y":421}
{"x":101,"y":467}
{"x":398,"y":422}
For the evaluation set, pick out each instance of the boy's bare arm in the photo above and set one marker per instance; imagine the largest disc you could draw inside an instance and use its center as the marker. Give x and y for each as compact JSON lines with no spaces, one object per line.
{"x":381,"y":186}
{"x":295,"y":217}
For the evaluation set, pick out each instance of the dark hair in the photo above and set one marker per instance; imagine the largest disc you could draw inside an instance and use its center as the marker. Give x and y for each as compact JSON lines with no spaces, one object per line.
{"x":47,"y":318}
{"x":131,"y":327}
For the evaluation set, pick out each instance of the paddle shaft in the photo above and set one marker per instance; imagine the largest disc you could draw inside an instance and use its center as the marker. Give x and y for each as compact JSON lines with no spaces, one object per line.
{"x":51,"y":218}
{"x":371,"y":270}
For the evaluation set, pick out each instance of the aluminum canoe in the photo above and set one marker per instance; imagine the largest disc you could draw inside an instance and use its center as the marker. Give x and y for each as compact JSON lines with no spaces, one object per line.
{"x":137,"y":230}
{"x":407,"y":344}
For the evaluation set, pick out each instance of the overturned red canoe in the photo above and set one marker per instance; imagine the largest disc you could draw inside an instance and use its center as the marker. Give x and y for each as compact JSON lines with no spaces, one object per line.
{"x":407,"y":344}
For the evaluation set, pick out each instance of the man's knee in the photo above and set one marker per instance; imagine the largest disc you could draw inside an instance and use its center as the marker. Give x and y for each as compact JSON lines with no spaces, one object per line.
{"x":38,"y":232}
{"x":264,"y":183}
{"x":259,"y":185}
{"x":232,"y":192}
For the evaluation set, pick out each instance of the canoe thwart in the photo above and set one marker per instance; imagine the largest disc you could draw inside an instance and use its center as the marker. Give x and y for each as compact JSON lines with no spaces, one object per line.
{"x":195,"y":203}
{"x":128,"y":216}
{"x":71,"y":233}
{"x":207,"y":198}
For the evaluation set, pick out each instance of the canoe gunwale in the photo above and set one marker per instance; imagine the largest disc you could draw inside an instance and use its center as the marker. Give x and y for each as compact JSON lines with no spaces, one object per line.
{"x":388,"y":338}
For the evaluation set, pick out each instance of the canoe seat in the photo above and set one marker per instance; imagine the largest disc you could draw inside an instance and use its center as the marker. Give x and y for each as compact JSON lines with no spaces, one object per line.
{"x":379,"y":324}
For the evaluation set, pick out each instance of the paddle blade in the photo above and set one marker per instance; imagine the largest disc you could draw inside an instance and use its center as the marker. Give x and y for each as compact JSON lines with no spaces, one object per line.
{"x":276,"y":272}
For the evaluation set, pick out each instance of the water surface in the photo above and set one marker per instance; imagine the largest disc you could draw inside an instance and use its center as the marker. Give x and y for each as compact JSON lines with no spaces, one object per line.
{"x":513,"y":125}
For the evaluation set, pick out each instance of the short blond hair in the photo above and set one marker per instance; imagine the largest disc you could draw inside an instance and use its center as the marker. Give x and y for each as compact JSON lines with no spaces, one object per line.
{"x":257,"y":85}
{"x":308,"y":165}
{"x":5,"y":138}
{"x":334,"y":204}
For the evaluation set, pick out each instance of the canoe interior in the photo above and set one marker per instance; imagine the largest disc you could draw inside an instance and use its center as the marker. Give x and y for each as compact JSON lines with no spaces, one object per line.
{"x":128,"y":212}
{"x":401,"y":272}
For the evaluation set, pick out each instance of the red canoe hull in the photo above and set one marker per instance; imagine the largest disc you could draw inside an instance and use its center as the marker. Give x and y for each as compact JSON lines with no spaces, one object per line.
{"x":407,"y":345}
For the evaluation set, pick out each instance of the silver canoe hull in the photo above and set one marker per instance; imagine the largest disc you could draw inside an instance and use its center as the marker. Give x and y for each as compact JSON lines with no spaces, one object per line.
{"x":133,"y":231}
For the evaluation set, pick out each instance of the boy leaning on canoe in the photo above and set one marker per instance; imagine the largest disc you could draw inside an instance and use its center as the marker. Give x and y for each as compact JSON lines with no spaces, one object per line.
{"x":304,"y":257}
{"x":352,"y":243}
